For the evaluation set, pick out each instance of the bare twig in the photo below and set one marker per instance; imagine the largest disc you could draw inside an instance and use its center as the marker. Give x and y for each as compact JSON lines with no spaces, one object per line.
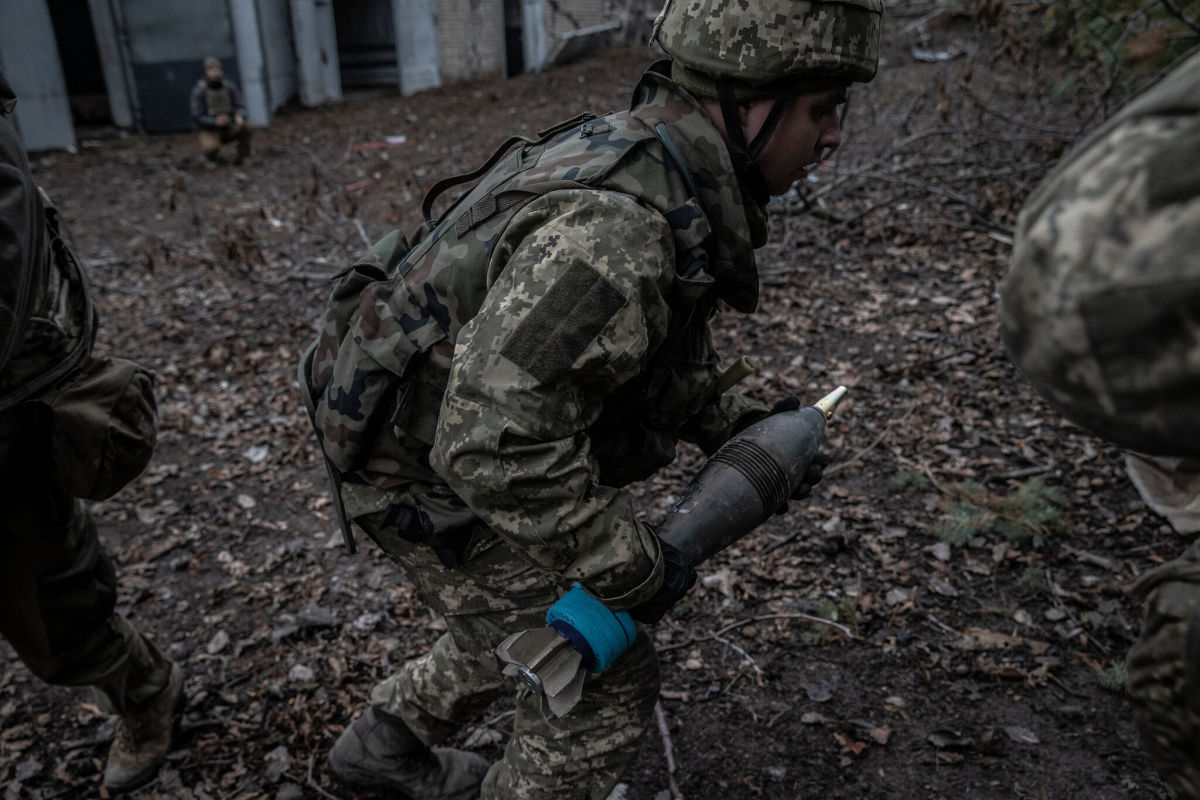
{"x":740,"y":651}
{"x":311,"y":783}
{"x":949,"y":194}
{"x":1177,"y":12}
{"x":1027,"y":472}
{"x":835,"y":468}
{"x":660,"y":717}
{"x":361,"y":231}
{"x":498,"y":717}
{"x":942,"y":625}
{"x":794,"y":615}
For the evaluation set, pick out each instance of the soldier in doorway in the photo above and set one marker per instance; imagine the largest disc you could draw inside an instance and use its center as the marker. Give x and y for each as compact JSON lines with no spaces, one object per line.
{"x":219,"y":111}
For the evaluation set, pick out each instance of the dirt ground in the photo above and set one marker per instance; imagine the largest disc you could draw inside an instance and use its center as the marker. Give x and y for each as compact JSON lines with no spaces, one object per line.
{"x":977,"y":661}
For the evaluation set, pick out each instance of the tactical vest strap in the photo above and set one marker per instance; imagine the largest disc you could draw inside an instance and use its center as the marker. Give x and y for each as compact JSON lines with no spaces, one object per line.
{"x":668,"y":141}
{"x":445,"y":183}
{"x":492,"y":204}
{"x":454,"y":180}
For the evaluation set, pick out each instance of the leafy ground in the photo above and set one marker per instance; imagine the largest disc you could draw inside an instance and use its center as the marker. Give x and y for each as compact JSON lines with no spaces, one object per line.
{"x":974,"y":548}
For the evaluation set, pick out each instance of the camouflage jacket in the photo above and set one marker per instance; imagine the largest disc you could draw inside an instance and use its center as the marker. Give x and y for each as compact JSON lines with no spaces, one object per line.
{"x":553,"y":355}
{"x":46,"y":319}
{"x":1101,"y":305}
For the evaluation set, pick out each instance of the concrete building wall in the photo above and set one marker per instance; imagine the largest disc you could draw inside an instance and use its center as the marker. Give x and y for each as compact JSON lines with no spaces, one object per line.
{"x":315,"y":37}
{"x":29,"y":57}
{"x":279,"y":55}
{"x":417,"y":44}
{"x":118,"y":78}
{"x":247,"y":40}
{"x":470,"y":39}
{"x":566,"y":16}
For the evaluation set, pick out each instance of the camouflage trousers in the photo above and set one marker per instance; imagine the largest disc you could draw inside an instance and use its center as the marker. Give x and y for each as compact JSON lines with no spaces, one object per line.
{"x":1164,"y":672}
{"x":211,"y":141}
{"x":489,"y":596}
{"x":57,"y":593}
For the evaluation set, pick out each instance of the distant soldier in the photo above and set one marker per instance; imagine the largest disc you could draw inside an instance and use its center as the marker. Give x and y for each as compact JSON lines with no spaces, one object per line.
{"x":1101,"y":312}
{"x":71,"y":426}
{"x":218,"y":109}
{"x":490,"y":394}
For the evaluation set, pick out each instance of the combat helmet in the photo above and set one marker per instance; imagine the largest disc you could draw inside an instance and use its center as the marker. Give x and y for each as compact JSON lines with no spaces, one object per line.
{"x":1100,"y":309}
{"x":736,"y":51}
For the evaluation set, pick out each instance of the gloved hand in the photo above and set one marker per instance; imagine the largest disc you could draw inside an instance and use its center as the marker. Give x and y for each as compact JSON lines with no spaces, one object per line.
{"x":812,"y":476}
{"x":815,"y":470}
{"x":788,"y":403}
{"x":678,"y":577}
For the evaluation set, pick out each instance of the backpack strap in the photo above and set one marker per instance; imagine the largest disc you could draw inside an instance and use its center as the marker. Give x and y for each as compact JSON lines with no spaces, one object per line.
{"x":56,"y":254}
{"x":304,"y":378}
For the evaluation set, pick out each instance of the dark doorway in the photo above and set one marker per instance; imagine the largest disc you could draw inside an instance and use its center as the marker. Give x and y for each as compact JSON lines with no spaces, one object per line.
{"x":80,"y":59}
{"x":366,"y":40}
{"x":514,"y":39}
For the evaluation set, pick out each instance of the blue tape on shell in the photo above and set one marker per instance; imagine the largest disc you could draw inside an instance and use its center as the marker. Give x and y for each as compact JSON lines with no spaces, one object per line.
{"x":608,"y":633}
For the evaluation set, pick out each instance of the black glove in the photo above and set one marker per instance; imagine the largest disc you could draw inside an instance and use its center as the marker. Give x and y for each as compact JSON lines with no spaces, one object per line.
{"x":678,"y":577}
{"x":812,"y":476}
{"x":788,"y":403}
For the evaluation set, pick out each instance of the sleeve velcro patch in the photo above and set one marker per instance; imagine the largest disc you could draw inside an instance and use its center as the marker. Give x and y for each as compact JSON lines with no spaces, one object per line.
{"x":563,"y":323}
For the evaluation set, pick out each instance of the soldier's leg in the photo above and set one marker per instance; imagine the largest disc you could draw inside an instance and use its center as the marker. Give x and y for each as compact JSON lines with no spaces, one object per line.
{"x":210,"y":144}
{"x":458,"y":677}
{"x":448,"y":686}
{"x":57,"y":593}
{"x":243,"y":143}
{"x":582,"y":755}
{"x":393,"y":744}
{"x":1164,"y":672}
{"x":493,"y":593}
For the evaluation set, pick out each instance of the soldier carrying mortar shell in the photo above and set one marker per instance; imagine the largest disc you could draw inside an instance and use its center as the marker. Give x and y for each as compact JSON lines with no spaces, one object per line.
{"x":484,"y":395}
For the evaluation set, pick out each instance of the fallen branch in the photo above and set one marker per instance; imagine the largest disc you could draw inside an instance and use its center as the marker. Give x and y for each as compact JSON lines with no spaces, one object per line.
{"x":660,"y":717}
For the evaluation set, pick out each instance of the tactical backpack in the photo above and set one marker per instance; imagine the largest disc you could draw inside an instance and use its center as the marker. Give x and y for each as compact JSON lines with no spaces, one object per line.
{"x":91,"y":421}
{"x":42,"y":350}
{"x":374,"y":415}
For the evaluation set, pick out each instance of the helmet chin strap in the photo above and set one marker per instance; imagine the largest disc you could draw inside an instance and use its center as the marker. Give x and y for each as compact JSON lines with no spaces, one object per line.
{"x":745,"y":156}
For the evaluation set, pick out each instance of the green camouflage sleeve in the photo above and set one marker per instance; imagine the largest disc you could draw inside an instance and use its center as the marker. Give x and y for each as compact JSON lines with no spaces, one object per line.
{"x":575,"y":304}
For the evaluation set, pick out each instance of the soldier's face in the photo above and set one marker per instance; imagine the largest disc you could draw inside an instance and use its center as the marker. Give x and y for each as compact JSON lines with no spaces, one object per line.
{"x":213,"y":73}
{"x":807,"y":130}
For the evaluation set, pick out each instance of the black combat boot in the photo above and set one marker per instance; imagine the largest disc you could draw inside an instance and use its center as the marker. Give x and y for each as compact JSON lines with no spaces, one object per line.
{"x":1164,"y":672}
{"x":378,"y":751}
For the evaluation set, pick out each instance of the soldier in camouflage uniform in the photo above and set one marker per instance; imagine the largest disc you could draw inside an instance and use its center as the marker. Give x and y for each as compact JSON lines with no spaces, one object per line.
{"x":218,"y":109}
{"x":1101,"y":311}
{"x":485,"y":395}
{"x":71,"y":426}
